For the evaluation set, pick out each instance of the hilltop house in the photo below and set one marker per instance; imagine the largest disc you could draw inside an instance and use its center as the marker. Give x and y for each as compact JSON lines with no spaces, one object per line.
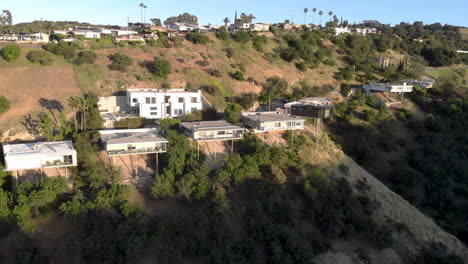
{"x":121,"y":142}
{"x":425,"y":82}
{"x":260,"y":27}
{"x":163,"y":103}
{"x":239,"y":27}
{"x":271,"y":121}
{"x":311,"y":107}
{"x":388,"y":87}
{"x":212,"y":130}
{"x":39,"y":37}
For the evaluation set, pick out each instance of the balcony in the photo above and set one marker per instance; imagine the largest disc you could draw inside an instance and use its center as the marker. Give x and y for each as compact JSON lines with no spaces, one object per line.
{"x":57,"y":163}
{"x":136,"y":151}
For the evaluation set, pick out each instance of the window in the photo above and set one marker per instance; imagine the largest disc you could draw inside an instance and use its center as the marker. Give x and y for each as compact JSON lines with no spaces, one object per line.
{"x":131,"y":147}
{"x":193,"y":100}
{"x":135,"y":100}
{"x":148,"y":100}
{"x":153,"y":100}
{"x":176,"y":111}
{"x":193,"y":109}
{"x":153,"y":108}
{"x":221,"y":133}
{"x":180,"y":112}
{"x":68,"y":159}
{"x":166,"y":99}
{"x":153,"y":113}
{"x":181,"y":99}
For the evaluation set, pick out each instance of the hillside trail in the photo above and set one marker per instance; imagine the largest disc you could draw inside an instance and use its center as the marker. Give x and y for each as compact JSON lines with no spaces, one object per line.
{"x":420,"y":230}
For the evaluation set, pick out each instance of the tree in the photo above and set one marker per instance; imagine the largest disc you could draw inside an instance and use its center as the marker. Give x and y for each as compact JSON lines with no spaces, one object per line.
{"x":183,"y":18}
{"x":226,"y":22}
{"x":313,"y":14}
{"x":162,"y":68}
{"x":6,"y":19}
{"x":306,"y":10}
{"x":242,"y":37}
{"x":233,"y":113}
{"x":274,"y":87}
{"x":10,"y":52}
{"x":4,"y":104}
{"x":141,"y":5}
{"x":156,"y":22}
{"x":86,"y":57}
{"x":320,"y":14}
{"x":345,"y":89}
{"x":197,"y":38}
{"x":330,"y":14}
{"x":144,"y":18}
{"x":75,"y":104}
{"x":251,"y":17}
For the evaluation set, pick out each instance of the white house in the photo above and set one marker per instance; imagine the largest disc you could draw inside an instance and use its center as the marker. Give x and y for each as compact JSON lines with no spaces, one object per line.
{"x":121,"y":142}
{"x":39,"y":155}
{"x":163,"y":103}
{"x":212,"y":130}
{"x":388,"y":87}
{"x":318,"y":107}
{"x":239,"y":27}
{"x":122,"y":32}
{"x":183,"y":27}
{"x":425,"y":82}
{"x":260,"y":27}
{"x":271,"y":121}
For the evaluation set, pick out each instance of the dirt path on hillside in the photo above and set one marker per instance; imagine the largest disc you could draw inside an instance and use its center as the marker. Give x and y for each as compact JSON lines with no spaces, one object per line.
{"x":25,"y":86}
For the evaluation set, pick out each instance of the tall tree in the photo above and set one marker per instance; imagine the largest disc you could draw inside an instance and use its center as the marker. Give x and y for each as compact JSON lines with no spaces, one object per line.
{"x":185,"y":18}
{"x":330,"y":14}
{"x":6,"y":19}
{"x":226,"y":22}
{"x":156,"y":22}
{"x":306,"y":10}
{"x":74,"y":103}
{"x":141,"y":5}
{"x":320,"y":14}
{"x":144,"y":18}
{"x":313,"y":14}
{"x":251,"y":18}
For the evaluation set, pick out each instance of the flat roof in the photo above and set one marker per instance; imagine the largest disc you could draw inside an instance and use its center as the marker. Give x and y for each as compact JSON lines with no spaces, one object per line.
{"x":156,"y":90}
{"x":209,"y":125}
{"x":38,"y":149}
{"x":128,"y":136}
{"x":271,"y":117}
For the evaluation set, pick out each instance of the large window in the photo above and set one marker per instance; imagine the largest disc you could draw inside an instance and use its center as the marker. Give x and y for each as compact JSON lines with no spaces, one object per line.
{"x":153,"y":113}
{"x":148,"y":100}
{"x":193,"y":99}
{"x":131,"y":147}
{"x":153,"y":108}
{"x":181,"y":99}
{"x":135,"y":100}
{"x":193,"y":109}
{"x":68,"y":159}
{"x":166,"y":99}
{"x":153,"y":100}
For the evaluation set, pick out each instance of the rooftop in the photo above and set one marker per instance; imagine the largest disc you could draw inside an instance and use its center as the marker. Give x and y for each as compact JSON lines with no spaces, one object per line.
{"x":208,"y":125}
{"x":270,"y":117}
{"x":39,"y":149}
{"x":156,"y":90}
{"x":127,"y":136}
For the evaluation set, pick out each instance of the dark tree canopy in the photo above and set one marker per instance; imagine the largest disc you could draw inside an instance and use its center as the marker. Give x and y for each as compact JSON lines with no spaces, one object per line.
{"x":182,"y":18}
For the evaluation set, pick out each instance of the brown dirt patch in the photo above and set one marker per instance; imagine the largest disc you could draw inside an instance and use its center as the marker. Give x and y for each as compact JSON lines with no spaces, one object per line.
{"x":25,"y":86}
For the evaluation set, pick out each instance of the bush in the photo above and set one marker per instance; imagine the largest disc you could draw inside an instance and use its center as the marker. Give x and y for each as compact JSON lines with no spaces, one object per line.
{"x":404,"y":114}
{"x":67,"y":50}
{"x":137,"y":122}
{"x":4,"y":104}
{"x":242,"y":37}
{"x":120,"y":62}
{"x":301,"y":66}
{"x":345,"y":74}
{"x":105,"y":43}
{"x":229,"y":52}
{"x":11,"y":52}
{"x":214,"y":72}
{"x":197,"y":38}
{"x":86,"y":57}
{"x":238,"y":75}
{"x":162,"y":68}
{"x":224,"y":35}
{"x":232,"y":113}
{"x":40,"y":56}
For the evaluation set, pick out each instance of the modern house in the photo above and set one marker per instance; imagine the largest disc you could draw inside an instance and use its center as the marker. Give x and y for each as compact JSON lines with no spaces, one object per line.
{"x":39,"y":155}
{"x":122,"y":142}
{"x":212,"y":130}
{"x":425,"y":82}
{"x":239,"y":27}
{"x":271,"y":121}
{"x":311,"y":107}
{"x":260,"y":27}
{"x":163,"y":103}
{"x":39,"y":37}
{"x":182,"y":27}
{"x":388,"y":87}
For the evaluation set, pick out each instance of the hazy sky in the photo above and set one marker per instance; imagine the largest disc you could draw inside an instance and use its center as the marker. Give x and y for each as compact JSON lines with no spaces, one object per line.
{"x":116,"y":12}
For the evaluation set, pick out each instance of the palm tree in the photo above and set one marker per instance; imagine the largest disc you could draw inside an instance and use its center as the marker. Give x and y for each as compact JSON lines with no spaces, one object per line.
{"x":144,"y":19}
{"x":330,"y":15}
{"x":226,"y":21}
{"x":313,"y":14}
{"x":75,"y":103}
{"x":320,"y":14}
{"x":306,"y":10}
{"x":251,"y":18}
{"x":141,"y":5}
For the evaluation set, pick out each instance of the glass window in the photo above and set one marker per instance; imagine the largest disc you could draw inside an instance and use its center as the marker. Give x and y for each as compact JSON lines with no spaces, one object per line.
{"x":193,"y":99}
{"x":148,"y":100}
{"x":135,"y":100}
{"x":175,"y":111}
{"x":193,"y":109}
{"x":153,"y":113}
{"x":68,"y":159}
{"x":181,"y":99}
{"x":166,"y":99}
{"x":153,"y":108}
{"x":153,"y":100}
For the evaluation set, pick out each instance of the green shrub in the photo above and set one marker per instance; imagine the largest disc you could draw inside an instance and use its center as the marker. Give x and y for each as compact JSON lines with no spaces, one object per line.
{"x":301,"y":66}
{"x":105,"y":43}
{"x":404,"y":114}
{"x":224,"y":35}
{"x":214,"y":72}
{"x":4,"y":104}
{"x":345,"y":74}
{"x":40,"y":56}
{"x":166,"y":85}
{"x":10,"y":52}
{"x":162,"y":68}
{"x":242,"y":37}
{"x":120,"y":62}
{"x":86,"y":57}
{"x":232,"y":113}
{"x":229,"y":52}
{"x":137,"y":122}
{"x":65,"y":49}
{"x":238,"y":75}
{"x":197,"y":38}
{"x":329,"y":62}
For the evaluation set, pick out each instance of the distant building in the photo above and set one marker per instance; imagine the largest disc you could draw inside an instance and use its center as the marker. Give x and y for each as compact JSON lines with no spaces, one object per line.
{"x":138,"y":25}
{"x":212,"y":130}
{"x":122,"y":142}
{"x":388,"y":87}
{"x":285,"y":26}
{"x":260,"y":27}
{"x":311,"y":107}
{"x":39,"y":155}
{"x":271,"y":121}
{"x":163,"y":103}
{"x":382,"y":61}
{"x":239,"y":27}
{"x":362,"y":31}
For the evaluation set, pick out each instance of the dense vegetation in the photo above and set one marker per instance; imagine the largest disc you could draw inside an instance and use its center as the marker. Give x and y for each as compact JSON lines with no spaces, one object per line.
{"x":10,"y":52}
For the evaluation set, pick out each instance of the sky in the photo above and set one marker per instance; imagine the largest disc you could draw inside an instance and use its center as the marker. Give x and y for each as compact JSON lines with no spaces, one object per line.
{"x":116,"y":12}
